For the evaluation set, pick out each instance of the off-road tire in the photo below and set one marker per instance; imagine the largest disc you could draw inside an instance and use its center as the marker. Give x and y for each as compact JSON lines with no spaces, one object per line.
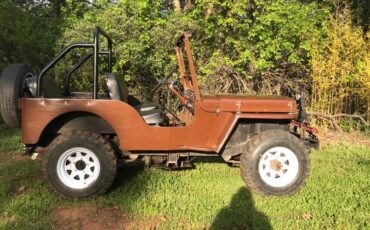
{"x":254,"y":150}
{"x":11,"y":89}
{"x":97,"y":144}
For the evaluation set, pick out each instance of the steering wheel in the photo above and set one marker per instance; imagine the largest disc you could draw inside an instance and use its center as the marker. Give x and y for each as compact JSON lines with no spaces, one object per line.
{"x":163,"y":81}
{"x":184,"y":98}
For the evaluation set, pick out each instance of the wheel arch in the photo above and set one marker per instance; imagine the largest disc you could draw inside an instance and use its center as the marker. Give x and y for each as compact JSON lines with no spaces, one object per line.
{"x":75,"y":120}
{"x":244,"y":128}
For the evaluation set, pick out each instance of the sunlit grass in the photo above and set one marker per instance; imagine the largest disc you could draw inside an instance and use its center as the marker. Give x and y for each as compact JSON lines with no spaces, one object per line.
{"x":10,"y":140}
{"x":335,"y":196}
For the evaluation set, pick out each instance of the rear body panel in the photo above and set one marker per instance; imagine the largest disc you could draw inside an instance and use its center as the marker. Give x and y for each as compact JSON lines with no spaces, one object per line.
{"x":214,"y":120}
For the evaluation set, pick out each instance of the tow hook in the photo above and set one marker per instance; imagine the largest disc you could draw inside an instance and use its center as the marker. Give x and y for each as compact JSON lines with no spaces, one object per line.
{"x":30,"y":151}
{"x":27,"y":150}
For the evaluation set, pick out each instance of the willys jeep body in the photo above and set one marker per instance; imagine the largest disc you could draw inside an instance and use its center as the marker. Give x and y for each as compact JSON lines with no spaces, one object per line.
{"x":84,"y":134}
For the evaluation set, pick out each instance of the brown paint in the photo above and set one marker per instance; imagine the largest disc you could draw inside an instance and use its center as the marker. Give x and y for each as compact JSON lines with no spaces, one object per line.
{"x":214,"y":119}
{"x":207,"y":132}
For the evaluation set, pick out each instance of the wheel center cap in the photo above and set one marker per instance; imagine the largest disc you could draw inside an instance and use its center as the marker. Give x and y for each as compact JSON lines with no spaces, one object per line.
{"x":80,"y":165}
{"x":276,"y":165}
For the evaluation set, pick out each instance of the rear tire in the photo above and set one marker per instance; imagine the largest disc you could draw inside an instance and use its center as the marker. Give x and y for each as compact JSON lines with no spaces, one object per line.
{"x":80,"y":164}
{"x":11,"y":89}
{"x":274,"y":162}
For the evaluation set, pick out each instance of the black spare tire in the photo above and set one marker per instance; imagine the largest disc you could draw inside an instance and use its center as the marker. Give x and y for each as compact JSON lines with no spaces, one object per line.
{"x":11,"y":89}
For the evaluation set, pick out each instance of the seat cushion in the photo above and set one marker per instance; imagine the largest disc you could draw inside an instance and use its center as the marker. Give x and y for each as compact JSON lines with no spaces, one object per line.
{"x":147,"y":107}
{"x":151,"y":113}
{"x":153,"y":117}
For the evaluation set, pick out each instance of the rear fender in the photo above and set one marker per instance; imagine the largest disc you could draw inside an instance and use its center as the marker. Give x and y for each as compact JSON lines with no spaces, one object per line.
{"x":75,"y":120}
{"x":79,"y":120}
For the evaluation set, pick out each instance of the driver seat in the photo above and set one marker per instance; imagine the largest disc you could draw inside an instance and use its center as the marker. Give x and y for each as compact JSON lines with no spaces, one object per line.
{"x":150,"y":112}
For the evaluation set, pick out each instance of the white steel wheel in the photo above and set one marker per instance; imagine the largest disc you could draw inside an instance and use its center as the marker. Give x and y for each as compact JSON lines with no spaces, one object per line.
{"x":278,"y":167}
{"x":274,"y":162}
{"x":78,"y":168}
{"x":80,"y":164}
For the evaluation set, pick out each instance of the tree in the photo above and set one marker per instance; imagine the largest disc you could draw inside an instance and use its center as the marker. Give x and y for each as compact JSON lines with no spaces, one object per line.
{"x":25,"y":34}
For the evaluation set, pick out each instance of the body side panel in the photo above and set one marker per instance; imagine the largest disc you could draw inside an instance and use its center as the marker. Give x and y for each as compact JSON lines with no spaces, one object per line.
{"x":208,"y":131}
{"x":134,"y":134}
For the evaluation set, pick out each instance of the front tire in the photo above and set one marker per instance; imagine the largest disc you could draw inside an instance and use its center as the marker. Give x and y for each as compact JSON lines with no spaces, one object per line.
{"x":80,"y":164}
{"x":274,"y":162}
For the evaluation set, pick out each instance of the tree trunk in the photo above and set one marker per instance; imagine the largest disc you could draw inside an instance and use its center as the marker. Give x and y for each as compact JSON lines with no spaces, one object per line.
{"x":187,"y":5}
{"x":366,"y":17}
{"x":251,"y":8}
{"x":177,"y":6}
{"x":57,"y":5}
{"x":209,"y":10}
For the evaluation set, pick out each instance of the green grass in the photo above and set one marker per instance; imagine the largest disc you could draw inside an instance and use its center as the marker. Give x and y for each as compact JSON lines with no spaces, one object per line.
{"x":336,"y":195}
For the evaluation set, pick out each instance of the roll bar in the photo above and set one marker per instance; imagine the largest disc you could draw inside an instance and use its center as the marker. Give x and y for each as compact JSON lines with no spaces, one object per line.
{"x":80,"y":62}
{"x":96,"y":53}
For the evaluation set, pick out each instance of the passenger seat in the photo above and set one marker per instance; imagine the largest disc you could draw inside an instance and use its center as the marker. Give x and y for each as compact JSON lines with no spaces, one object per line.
{"x":150,"y":112}
{"x":49,"y":87}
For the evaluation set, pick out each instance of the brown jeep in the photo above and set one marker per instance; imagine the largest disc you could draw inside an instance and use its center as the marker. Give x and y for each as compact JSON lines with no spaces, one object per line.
{"x":84,"y":134}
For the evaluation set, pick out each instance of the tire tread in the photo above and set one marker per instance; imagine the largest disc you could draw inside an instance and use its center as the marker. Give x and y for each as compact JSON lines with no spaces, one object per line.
{"x":110,"y":159}
{"x":246,"y":159}
{"x":11,"y":81}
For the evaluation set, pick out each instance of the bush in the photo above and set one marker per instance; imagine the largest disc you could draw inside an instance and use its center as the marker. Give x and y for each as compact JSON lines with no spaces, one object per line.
{"x":243,"y":46}
{"x":341,"y":69}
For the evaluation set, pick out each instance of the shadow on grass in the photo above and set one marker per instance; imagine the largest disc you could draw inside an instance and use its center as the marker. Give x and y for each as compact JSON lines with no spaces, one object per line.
{"x":127,"y":172}
{"x":241,"y":214}
{"x":208,"y":159}
{"x":132,"y":174}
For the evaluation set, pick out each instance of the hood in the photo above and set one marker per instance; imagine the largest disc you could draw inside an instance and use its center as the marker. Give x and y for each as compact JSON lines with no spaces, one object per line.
{"x":249,"y":104}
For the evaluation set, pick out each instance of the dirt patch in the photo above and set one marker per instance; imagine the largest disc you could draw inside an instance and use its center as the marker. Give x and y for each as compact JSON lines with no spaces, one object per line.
{"x":350,"y":138}
{"x":90,"y":217}
{"x":19,"y":157}
{"x":6,"y":157}
{"x":7,"y":219}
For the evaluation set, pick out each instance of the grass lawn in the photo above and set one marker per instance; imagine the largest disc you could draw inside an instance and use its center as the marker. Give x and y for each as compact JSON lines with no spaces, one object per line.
{"x":336,"y":195}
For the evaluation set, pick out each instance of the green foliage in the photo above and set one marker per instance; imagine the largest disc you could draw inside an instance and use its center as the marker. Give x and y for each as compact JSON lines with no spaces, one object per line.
{"x":143,"y":36}
{"x":25,"y":34}
{"x":351,"y":125}
{"x":360,"y":11}
{"x":243,"y":40}
{"x":245,"y":46}
{"x":262,"y":34}
{"x":341,"y":69}
{"x":258,"y":44}
{"x":284,"y":30}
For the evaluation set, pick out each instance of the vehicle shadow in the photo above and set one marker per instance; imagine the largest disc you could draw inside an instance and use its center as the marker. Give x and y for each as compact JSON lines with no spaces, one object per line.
{"x":127,"y":172}
{"x":241,"y":214}
{"x":206,"y":159}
